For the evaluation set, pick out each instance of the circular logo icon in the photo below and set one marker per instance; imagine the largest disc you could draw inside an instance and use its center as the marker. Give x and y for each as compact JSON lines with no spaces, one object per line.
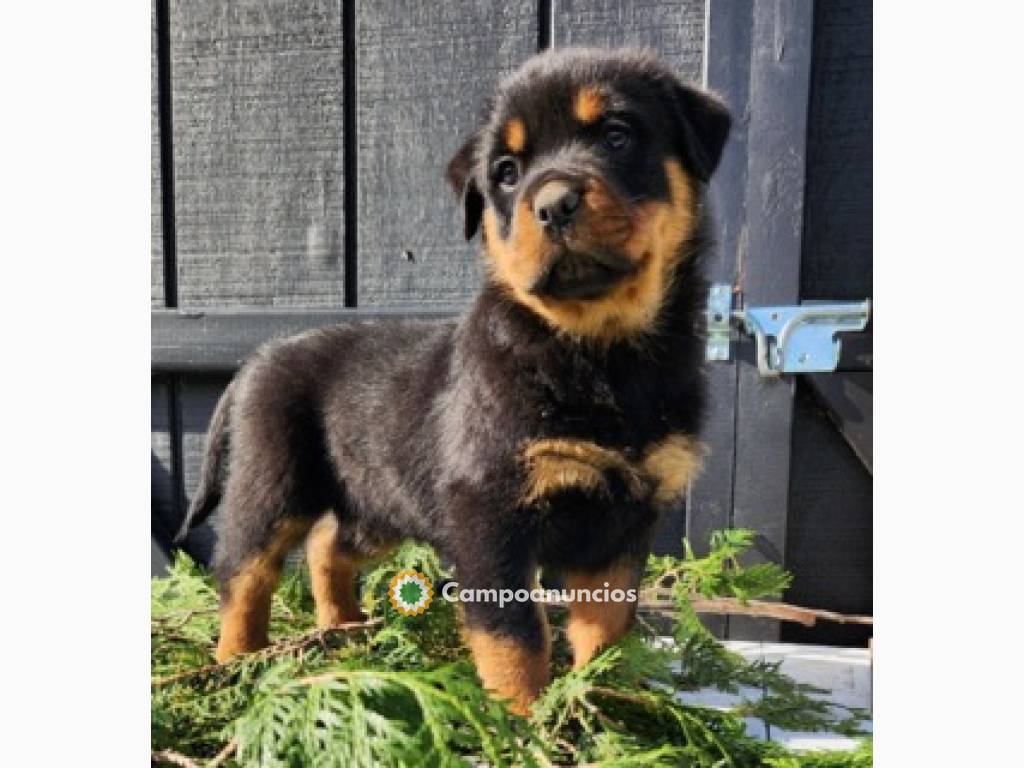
{"x":410,"y":592}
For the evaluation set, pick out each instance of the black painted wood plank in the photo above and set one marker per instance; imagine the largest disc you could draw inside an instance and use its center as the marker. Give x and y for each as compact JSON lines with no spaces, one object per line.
{"x":857,"y":351}
{"x":424,"y":71}
{"x":258,"y":107}
{"x":829,"y":536}
{"x":847,"y":398}
{"x":837,"y":258}
{"x":219,"y":340}
{"x":728,"y":73}
{"x":675,"y":30}
{"x":156,"y":236}
{"x":770,"y":271}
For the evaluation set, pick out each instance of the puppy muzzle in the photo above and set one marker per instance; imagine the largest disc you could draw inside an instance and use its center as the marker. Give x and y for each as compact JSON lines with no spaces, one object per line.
{"x":571,"y":275}
{"x":576,"y":267}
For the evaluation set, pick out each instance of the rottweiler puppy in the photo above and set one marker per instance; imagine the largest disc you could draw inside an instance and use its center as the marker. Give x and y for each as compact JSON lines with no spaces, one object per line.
{"x":545,"y":428}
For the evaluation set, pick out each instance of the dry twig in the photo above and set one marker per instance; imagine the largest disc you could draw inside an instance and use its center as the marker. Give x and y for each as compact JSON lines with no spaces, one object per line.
{"x":221,"y":757}
{"x":170,"y":757}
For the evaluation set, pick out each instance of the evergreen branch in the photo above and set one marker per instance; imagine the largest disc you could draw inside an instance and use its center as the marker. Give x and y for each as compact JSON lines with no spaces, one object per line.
{"x":283,"y":647}
{"x":187,"y":616}
{"x":400,"y":691}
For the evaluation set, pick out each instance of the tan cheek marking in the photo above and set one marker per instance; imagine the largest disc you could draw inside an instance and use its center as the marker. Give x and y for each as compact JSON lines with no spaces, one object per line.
{"x":516,"y":261}
{"x":672,"y":463}
{"x":515,"y":135}
{"x":510,"y":669}
{"x":245,"y":612}
{"x":588,"y":104}
{"x":592,"y":625}
{"x":604,"y":219}
{"x":560,"y":464}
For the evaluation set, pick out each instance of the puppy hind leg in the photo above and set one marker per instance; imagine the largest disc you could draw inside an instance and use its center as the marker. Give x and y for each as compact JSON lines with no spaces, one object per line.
{"x":332,"y":575}
{"x":246,"y":594}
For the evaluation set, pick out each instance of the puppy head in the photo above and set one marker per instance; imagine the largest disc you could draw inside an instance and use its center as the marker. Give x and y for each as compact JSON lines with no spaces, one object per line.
{"x":586,"y":177}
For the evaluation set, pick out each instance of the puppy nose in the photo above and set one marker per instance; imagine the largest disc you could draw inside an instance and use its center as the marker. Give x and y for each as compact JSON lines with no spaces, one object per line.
{"x":555,"y":204}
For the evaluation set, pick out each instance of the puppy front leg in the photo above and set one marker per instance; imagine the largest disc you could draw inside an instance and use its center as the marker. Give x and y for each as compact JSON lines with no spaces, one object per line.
{"x":594,"y":624}
{"x":510,"y":643}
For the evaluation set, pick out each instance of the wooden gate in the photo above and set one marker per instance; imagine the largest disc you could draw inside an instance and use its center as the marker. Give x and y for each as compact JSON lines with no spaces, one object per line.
{"x":298,"y":156}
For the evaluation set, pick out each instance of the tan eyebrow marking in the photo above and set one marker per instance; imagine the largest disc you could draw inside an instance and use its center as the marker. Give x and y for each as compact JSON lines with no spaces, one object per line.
{"x":515,"y":134}
{"x":588,"y":104}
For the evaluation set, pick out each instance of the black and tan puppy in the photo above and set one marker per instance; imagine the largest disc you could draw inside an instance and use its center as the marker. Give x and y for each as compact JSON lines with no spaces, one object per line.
{"x":543,"y":429}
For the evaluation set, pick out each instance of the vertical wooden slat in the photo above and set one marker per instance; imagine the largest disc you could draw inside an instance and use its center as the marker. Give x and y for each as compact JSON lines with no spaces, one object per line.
{"x":165,"y":496}
{"x":424,"y":72}
{"x":837,"y":246}
{"x":727,"y":53}
{"x":828,"y":539}
{"x":727,"y":72}
{"x":258,"y":124}
{"x":675,"y":30}
{"x":156,"y":250}
{"x":770,"y":270}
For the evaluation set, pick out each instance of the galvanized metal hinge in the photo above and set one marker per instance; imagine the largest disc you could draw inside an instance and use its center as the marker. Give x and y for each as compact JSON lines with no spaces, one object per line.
{"x":789,"y":339}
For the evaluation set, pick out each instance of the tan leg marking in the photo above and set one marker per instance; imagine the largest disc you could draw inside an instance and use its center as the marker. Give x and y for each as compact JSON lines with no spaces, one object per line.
{"x":515,"y":135}
{"x":588,"y":104}
{"x":672,"y":463}
{"x":509,"y":669}
{"x":332,"y":575}
{"x":593,"y":625}
{"x":560,"y":464}
{"x":245,"y":611}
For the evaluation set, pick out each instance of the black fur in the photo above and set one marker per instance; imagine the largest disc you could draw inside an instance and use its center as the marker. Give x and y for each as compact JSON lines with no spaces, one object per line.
{"x":417,"y":429}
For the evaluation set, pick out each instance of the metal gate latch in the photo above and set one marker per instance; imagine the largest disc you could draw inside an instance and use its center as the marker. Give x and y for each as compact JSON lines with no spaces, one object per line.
{"x":790,"y":339}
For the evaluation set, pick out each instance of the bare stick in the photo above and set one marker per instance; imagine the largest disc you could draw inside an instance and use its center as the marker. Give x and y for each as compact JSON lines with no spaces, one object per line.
{"x":783,"y":611}
{"x":657,"y":600}
{"x":221,"y":757}
{"x":171,"y":757}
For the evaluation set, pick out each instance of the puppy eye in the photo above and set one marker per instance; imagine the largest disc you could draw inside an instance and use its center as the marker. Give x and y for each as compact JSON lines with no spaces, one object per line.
{"x":506,"y":172}
{"x":616,"y":137}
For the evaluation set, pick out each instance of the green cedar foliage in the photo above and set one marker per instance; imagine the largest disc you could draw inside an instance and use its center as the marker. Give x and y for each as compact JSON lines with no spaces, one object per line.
{"x":403,"y":692}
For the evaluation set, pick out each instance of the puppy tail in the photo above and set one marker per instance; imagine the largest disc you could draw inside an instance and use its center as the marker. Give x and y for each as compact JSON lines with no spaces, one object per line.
{"x":212,"y":474}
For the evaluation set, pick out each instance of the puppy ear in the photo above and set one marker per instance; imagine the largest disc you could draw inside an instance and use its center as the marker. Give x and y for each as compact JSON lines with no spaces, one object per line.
{"x":460,"y":176}
{"x":702,"y":126}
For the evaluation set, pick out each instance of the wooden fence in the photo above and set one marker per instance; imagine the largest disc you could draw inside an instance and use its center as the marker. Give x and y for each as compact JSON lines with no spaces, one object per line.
{"x":298,"y":156}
